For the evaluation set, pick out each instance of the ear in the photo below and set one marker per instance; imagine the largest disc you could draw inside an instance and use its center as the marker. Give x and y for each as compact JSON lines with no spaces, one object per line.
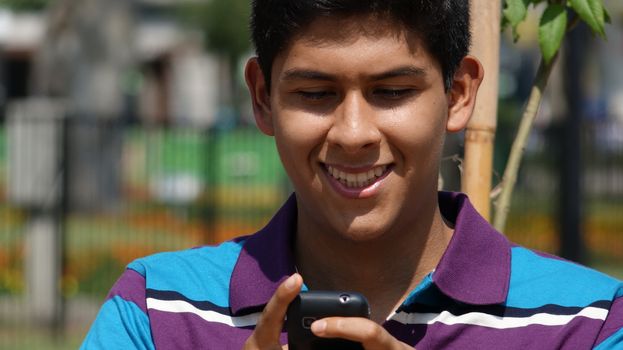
{"x":259,"y":96}
{"x":462,"y":94}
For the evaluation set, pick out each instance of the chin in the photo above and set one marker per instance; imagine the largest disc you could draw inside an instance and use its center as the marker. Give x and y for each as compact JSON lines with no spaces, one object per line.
{"x":362,"y":233}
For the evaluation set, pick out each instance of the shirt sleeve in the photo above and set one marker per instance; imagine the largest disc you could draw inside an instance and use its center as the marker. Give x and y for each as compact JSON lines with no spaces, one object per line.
{"x":122,"y":322}
{"x":611,"y":334}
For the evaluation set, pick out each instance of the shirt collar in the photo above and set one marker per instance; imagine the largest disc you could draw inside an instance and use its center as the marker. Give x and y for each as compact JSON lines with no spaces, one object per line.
{"x":474,"y":269}
{"x":264,"y":261}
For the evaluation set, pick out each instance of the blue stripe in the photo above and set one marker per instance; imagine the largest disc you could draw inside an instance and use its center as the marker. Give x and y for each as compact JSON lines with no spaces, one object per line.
{"x":120,"y":324}
{"x":537,"y":281}
{"x":613,"y":342}
{"x":420,"y":294}
{"x":199,"y":274}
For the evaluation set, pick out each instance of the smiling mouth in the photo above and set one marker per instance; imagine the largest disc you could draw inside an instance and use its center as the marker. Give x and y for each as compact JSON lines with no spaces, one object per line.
{"x":357,"y":179}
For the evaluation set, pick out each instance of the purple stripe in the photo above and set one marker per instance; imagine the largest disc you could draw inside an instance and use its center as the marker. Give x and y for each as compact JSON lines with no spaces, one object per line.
{"x":578,"y":334}
{"x":131,"y":287}
{"x":614,"y":322}
{"x":189,"y":331}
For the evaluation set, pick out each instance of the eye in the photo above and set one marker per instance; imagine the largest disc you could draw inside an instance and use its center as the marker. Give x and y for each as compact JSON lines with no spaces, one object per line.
{"x":315,"y":95}
{"x":393,"y":94}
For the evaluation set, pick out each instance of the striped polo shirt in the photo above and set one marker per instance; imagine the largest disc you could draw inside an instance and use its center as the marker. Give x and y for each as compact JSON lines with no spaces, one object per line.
{"x":485,"y":293}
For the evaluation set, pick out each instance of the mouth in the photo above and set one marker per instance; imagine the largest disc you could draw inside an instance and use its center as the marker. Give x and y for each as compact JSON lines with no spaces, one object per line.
{"x":357,"y":183}
{"x":357,"y":180}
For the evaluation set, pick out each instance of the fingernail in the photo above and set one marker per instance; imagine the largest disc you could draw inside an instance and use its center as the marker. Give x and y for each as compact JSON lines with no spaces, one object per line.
{"x":291,"y":282}
{"x":319,"y":326}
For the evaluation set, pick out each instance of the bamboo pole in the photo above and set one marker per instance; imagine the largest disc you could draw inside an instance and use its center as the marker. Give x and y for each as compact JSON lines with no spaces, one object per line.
{"x":480,"y":133}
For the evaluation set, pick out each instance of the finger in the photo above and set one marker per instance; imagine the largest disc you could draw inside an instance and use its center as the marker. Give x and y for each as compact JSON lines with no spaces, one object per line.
{"x":270,"y":324}
{"x":370,"y":334}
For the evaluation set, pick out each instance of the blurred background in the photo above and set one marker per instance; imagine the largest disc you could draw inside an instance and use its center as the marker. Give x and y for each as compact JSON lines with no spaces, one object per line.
{"x":126,"y":129}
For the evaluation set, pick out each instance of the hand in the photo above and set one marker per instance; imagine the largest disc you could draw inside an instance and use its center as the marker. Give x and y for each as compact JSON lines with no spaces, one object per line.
{"x":370,"y":334}
{"x":269,"y":326}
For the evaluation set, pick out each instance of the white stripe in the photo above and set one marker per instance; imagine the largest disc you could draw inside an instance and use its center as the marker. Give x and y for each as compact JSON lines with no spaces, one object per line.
{"x":486,"y":320}
{"x":180,"y":306}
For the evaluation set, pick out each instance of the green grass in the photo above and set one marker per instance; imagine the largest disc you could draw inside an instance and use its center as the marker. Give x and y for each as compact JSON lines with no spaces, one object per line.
{"x":31,"y":338}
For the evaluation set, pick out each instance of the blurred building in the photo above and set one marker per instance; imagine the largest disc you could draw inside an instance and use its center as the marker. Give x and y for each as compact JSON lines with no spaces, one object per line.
{"x":173,"y":80}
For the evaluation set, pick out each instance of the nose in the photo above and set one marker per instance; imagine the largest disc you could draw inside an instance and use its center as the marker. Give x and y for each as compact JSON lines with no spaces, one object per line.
{"x":354,"y":125}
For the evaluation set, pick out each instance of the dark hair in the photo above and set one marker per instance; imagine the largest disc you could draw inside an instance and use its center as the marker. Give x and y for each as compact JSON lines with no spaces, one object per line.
{"x":442,"y":24}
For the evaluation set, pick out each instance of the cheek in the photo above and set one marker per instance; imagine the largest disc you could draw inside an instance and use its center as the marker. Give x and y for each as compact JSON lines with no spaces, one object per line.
{"x":300,"y":132}
{"x":298,"y":136}
{"x":419,"y":129}
{"x":296,"y":128}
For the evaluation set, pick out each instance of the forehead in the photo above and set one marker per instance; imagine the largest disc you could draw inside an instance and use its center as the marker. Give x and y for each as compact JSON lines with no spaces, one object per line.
{"x":354,"y":46}
{"x":329,"y":31}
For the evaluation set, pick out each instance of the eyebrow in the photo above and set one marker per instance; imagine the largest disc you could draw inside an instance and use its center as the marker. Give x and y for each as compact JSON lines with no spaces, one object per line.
{"x":306,"y":74}
{"x":400,"y":72}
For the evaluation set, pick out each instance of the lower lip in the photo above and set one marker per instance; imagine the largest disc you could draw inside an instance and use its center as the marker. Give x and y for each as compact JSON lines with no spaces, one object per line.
{"x":357,"y":193}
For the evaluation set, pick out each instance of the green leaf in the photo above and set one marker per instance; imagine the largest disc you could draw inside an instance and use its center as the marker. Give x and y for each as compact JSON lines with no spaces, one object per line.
{"x":552,"y":30}
{"x":514,"y":13}
{"x":607,"y":18}
{"x":593,"y":13}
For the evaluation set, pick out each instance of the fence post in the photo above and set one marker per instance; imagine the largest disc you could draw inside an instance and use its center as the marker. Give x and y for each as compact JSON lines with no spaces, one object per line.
{"x":35,"y":138}
{"x":211,"y":162}
{"x":570,"y":220}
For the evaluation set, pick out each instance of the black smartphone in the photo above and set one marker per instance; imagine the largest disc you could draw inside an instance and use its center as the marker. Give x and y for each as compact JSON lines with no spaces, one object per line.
{"x":313,"y":305}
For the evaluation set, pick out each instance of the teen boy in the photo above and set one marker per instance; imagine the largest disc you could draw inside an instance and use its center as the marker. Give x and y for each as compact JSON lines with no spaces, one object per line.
{"x":359,"y":96}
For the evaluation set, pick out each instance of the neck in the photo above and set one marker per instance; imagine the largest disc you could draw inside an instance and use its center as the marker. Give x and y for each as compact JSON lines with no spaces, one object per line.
{"x":385,"y":269}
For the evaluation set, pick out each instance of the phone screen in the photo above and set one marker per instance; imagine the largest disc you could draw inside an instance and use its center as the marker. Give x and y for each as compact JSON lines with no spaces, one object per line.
{"x":313,"y":305}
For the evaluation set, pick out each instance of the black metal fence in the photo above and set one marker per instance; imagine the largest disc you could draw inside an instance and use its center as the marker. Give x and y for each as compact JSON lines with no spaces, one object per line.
{"x":82,"y":198}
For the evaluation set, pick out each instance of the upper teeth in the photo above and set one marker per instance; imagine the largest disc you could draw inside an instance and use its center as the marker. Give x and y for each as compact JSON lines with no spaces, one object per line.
{"x":361,"y":179}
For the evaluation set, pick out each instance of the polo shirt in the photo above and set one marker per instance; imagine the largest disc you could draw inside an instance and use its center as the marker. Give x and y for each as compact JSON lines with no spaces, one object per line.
{"x":485,"y":293}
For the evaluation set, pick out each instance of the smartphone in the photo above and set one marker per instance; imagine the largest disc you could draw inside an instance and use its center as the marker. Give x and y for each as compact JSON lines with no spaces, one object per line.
{"x":313,"y":305}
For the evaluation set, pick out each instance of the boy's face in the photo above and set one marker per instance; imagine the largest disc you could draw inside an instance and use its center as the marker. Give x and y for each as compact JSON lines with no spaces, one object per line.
{"x":359,"y":113}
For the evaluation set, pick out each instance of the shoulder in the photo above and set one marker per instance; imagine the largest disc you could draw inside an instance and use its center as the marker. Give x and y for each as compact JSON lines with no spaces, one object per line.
{"x":541,"y":279}
{"x":201,"y":273}
{"x":186,"y":261}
